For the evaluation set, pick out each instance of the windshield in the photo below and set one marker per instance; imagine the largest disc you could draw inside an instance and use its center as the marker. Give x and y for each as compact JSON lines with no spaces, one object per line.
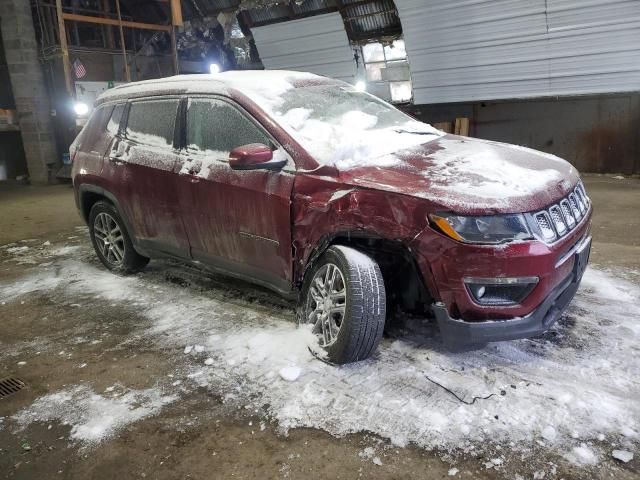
{"x":341,"y":126}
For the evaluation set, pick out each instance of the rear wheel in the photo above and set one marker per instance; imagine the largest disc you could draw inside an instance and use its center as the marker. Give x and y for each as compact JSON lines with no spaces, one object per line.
{"x":111,"y":240}
{"x":344,"y":299}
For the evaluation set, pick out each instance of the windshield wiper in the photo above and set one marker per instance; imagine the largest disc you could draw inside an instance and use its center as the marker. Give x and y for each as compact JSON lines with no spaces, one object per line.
{"x":414,"y":132}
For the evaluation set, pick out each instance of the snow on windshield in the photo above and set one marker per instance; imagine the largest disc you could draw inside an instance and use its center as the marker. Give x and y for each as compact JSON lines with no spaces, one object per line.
{"x":337,"y":124}
{"x":340,"y":126}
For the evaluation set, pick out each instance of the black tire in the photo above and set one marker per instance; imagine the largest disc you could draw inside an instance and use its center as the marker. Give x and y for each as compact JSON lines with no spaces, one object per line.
{"x":131,"y":261}
{"x":363,"y":321}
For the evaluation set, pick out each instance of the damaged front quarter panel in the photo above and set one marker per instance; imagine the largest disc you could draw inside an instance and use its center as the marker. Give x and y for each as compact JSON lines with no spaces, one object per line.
{"x":325,"y":209}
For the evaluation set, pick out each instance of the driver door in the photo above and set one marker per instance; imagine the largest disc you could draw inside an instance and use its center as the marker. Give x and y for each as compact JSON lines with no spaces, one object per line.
{"x":238,"y":221}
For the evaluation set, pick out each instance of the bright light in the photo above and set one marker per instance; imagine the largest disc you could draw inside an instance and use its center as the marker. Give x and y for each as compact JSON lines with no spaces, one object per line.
{"x":214,"y":68}
{"x":361,"y":86}
{"x":81,"y":108}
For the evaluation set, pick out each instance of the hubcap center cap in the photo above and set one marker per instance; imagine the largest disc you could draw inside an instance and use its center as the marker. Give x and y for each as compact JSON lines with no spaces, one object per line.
{"x":327,"y":304}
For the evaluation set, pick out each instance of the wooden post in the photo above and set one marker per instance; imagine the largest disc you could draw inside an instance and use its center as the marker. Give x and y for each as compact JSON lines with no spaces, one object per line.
{"x":174,"y":51}
{"x":111,"y":44}
{"x":176,"y":20}
{"x":127,"y":73}
{"x":66,"y":65}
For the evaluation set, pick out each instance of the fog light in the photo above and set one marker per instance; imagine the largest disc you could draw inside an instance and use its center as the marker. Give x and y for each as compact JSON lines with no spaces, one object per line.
{"x":500,"y":290}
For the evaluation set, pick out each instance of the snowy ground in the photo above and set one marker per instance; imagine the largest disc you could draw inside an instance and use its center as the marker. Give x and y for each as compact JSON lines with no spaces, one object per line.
{"x":570,"y":395}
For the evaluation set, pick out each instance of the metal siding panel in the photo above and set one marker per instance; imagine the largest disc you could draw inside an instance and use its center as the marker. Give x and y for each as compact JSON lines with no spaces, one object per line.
{"x":317,"y":44}
{"x":470,"y":50}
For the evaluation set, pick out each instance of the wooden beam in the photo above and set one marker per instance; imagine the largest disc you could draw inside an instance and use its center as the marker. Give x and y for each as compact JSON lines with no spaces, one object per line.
{"x":109,"y":21}
{"x":66,"y":65}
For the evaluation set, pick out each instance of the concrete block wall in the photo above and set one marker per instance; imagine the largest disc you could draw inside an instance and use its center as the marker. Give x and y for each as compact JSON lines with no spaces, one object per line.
{"x":29,"y":89}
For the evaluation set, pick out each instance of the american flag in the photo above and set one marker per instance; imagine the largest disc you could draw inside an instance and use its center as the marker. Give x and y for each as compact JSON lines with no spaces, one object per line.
{"x":78,"y":68}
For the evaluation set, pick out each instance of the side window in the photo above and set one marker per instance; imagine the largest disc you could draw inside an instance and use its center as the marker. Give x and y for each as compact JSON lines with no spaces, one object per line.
{"x":152,"y":122}
{"x":216,"y":126}
{"x":114,"y":121}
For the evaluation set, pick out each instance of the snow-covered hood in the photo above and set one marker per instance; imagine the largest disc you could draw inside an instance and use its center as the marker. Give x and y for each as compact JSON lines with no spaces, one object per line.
{"x":469,"y":175}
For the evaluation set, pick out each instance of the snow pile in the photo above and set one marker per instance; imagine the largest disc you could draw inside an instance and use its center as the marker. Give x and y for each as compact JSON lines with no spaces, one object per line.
{"x":568,"y":391}
{"x":582,"y":455}
{"x":93,"y":417}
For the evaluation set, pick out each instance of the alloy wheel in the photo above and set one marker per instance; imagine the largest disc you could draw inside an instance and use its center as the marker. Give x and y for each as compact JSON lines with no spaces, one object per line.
{"x":109,"y":238}
{"x":326,"y":303}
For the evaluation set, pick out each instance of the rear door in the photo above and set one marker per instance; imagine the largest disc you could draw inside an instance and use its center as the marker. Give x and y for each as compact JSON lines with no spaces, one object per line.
{"x":143,"y":162}
{"x":238,"y":221}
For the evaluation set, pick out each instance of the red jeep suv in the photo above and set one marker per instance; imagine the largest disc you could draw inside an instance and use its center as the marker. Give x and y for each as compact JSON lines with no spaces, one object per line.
{"x":320,"y":192}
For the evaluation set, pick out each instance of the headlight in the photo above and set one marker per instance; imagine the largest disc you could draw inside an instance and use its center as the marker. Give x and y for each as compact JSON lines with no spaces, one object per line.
{"x":482,"y":229}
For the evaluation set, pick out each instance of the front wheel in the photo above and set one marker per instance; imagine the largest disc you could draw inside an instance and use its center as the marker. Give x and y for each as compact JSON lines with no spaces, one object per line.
{"x":344,"y":299}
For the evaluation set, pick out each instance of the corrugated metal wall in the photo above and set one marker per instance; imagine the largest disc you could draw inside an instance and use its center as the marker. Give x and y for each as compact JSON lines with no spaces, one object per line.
{"x":317,"y":44}
{"x":471,"y":50}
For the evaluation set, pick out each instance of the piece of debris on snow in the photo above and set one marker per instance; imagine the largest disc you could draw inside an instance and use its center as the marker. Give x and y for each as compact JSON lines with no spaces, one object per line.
{"x":549,"y":433}
{"x":539,"y":475}
{"x":208,"y":361}
{"x":453,"y":472}
{"x":376,"y":461}
{"x":188,"y":349}
{"x":290,"y":374}
{"x":582,"y":455}
{"x":622,"y":455}
{"x":93,"y":417}
{"x":367,"y":453}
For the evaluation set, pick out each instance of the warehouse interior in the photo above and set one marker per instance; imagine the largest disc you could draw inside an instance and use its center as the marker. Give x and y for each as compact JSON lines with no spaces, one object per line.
{"x":556,"y":76}
{"x":164,"y":373}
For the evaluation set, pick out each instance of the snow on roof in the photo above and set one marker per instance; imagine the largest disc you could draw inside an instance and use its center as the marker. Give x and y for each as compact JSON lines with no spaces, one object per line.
{"x":265,"y":83}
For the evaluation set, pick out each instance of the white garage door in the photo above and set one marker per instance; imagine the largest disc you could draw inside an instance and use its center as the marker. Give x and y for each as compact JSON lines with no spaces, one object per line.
{"x":316,"y":44}
{"x":462,"y":50}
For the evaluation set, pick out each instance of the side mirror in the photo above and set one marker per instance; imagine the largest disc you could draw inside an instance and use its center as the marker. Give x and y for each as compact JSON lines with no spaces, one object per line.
{"x":254,"y":156}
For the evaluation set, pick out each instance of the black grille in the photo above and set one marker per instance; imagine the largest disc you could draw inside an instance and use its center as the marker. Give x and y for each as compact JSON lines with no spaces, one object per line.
{"x":561,"y":218}
{"x":10,"y":385}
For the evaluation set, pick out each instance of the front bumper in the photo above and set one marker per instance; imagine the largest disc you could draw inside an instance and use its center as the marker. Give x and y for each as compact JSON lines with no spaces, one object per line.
{"x":460,"y":334}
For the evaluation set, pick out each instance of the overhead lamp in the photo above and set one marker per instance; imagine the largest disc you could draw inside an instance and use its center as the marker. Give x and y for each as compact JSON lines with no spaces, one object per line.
{"x":81,"y":109}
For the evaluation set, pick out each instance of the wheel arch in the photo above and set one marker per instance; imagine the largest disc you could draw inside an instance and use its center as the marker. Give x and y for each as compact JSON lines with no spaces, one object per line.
{"x":403,"y":281}
{"x":90,"y":194}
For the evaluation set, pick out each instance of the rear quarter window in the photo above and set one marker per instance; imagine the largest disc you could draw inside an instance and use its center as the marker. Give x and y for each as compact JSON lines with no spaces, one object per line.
{"x":93,"y":131}
{"x":114,"y":122}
